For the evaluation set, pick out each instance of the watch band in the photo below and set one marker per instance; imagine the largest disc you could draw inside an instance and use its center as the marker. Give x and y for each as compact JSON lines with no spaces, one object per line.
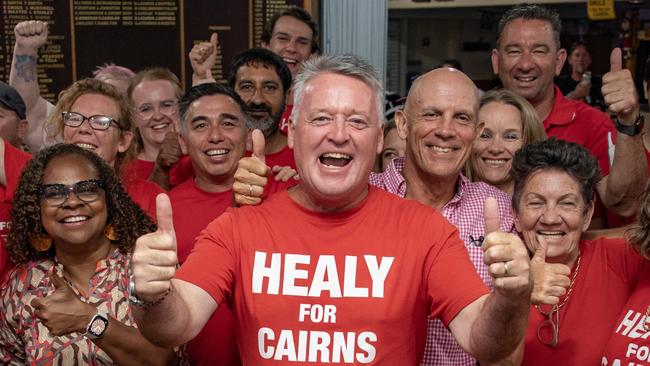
{"x":133,"y":297}
{"x":97,"y":325}
{"x":632,"y":130}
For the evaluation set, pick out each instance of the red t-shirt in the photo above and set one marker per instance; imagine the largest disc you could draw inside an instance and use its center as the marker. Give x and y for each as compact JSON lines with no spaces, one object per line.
{"x":283,"y":157}
{"x":179,"y":172}
{"x":143,"y":193}
{"x":284,"y":121}
{"x":629,"y":344}
{"x":577,"y":122}
{"x":193,"y":209}
{"x":608,"y":272}
{"x":353,"y":286}
{"x":14,"y":162}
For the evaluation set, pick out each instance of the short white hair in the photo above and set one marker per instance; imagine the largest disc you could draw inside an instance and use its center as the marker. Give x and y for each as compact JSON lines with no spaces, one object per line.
{"x":346,"y":65}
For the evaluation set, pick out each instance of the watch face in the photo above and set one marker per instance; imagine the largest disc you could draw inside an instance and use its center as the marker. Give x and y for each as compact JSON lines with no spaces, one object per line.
{"x":97,"y":327}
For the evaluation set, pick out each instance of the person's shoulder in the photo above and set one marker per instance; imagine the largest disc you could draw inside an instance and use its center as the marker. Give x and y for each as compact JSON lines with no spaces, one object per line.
{"x":142,"y":187}
{"x":26,"y":277}
{"x":608,"y":247}
{"x":16,"y":153}
{"x":480,"y":191}
{"x":383,"y":202}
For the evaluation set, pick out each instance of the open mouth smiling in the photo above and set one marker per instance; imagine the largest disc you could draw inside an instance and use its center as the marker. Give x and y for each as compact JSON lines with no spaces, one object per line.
{"x":335,"y":159}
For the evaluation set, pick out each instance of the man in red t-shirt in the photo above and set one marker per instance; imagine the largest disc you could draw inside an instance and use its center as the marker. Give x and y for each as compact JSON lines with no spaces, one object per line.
{"x":333,"y":270}
{"x":213,"y":127}
{"x":528,"y":57}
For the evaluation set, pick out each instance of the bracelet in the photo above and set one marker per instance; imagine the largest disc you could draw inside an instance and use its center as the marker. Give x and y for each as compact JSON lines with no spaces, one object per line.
{"x":133,"y":298}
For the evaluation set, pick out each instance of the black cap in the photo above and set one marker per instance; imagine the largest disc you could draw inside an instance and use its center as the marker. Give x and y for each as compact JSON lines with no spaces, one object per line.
{"x":12,"y":100}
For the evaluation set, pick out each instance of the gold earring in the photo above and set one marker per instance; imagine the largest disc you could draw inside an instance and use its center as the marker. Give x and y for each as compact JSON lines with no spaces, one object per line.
{"x":40,"y":242}
{"x":109,"y":233}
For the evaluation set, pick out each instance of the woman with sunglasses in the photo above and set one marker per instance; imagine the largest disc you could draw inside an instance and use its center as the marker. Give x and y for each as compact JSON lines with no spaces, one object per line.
{"x":96,"y":116}
{"x":154,"y":95}
{"x":72,"y":237}
{"x":580,"y":286}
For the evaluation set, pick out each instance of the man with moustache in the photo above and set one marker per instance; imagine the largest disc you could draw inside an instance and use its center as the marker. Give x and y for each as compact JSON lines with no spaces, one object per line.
{"x":291,"y":34}
{"x":262,"y":80}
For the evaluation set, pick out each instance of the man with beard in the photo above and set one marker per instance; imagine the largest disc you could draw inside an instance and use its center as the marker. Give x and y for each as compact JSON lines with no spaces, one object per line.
{"x":262,"y":80}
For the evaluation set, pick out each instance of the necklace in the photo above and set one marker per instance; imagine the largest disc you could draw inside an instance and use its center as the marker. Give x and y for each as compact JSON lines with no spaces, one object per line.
{"x":570,"y":290}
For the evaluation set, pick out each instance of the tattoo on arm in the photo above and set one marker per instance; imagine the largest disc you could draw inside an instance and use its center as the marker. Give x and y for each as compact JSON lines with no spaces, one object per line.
{"x":26,"y":67}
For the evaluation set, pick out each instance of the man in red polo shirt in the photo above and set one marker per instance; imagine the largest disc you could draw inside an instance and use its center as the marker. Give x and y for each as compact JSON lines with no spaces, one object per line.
{"x":527,"y":58}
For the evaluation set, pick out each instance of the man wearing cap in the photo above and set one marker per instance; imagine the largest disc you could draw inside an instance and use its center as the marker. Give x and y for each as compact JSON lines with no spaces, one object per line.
{"x":13,"y":126}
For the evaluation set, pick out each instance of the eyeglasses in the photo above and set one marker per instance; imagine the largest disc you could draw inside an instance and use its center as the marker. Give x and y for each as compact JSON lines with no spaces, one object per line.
{"x":96,"y":122}
{"x":166,"y":107}
{"x":548,"y":331}
{"x":57,"y":194}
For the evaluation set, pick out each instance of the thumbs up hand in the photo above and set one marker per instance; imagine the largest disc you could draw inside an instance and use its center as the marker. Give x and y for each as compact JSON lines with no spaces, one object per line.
{"x":154,"y":258}
{"x":550,"y":280}
{"x":619,"y":91}
{"x":62,"y":312}
{"x":203,"y":56}
{"x":505,"y":255}
{"x":251,"y":174}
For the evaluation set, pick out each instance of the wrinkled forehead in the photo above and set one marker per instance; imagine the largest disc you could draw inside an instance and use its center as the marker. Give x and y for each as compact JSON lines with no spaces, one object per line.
{"x":337,"y":93}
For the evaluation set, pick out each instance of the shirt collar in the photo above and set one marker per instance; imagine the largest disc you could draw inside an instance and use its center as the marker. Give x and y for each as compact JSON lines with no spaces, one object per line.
{"x":563,"y":111}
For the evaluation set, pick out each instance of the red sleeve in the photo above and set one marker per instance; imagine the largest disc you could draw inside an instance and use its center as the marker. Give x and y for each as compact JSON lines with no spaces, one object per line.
{"x":451,"y":294}
{"x":211,"y":264}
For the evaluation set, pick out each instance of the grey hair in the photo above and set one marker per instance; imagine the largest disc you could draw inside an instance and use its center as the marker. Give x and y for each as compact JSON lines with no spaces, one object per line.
{"x":346,"y":65}
{"x":532,"y":12}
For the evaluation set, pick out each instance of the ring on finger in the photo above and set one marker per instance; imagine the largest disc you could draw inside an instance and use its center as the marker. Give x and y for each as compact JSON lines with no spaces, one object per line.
{"x":250,"y":190}
{"x":505,"y":267}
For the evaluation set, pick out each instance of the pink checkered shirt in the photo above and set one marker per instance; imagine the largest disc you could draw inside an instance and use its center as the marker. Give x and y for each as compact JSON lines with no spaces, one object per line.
{"x":465,"y":211}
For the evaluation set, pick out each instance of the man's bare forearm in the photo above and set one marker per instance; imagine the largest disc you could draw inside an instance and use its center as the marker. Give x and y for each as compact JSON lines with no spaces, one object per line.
{"x":23,"y":74}
{"x":627,"y":177}
{"x":164,"y":324}
{"x":499,"y":328}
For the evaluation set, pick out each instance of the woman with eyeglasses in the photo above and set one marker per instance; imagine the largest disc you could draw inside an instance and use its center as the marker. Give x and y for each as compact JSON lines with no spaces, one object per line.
{"x":72,"y":236}
{"x":580,"y":286}
{"x":154,"y":95}
{"x":95,"y":116}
